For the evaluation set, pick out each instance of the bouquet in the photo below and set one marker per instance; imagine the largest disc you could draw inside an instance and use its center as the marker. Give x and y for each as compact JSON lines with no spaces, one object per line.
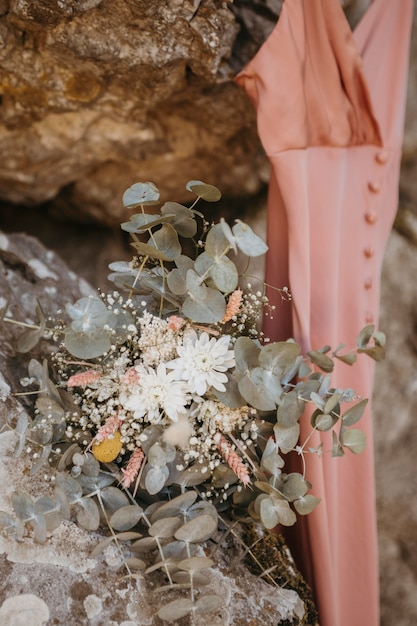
{"x":165,"y":408}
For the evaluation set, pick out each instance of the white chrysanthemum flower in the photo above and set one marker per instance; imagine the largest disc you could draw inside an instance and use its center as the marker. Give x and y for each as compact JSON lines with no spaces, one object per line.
{"x":157,"y":393}
{"x":202,"y":362}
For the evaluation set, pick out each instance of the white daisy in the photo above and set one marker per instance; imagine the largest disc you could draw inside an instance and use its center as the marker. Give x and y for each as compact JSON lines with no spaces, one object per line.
{"x":157,"y":393}
{"x":202,"y":362}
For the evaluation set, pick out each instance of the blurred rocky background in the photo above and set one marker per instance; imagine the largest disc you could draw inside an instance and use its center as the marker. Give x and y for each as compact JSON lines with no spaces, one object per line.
{"x":98,"y":94}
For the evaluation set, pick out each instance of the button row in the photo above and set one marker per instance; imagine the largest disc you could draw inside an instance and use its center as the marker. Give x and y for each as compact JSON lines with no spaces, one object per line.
{"x":371,"y":217}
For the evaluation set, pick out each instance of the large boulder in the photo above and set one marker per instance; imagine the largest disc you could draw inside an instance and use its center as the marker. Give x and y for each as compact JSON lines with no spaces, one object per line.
{"x":97,"y":94}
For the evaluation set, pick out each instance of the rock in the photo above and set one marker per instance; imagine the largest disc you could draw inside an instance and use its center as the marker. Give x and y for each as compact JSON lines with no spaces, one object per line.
{"x":98,"y":94}
{"x":394,"y":404}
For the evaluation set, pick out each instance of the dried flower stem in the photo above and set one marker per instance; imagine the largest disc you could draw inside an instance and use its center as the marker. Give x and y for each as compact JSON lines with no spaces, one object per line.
{"x":233,"y":306}
{"x":233,"y":460}
{"x":132,"y":469}
{"x":82,"y":379}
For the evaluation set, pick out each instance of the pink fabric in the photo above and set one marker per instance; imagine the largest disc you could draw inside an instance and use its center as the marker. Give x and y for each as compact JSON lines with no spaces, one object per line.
{"x":330,"y":106}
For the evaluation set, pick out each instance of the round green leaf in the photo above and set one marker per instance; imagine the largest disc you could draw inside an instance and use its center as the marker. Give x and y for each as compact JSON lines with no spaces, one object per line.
{"x":209,"y":193}
{"x":249,"y":243}
{"x":176,"y":609}
{"x":354,"y":439}
{"x":126,"y":517}
{"x":306,"y":504}
{"x":354,"y":414}
{"x":140,"y":193}
{"x":181,"y":218}
{"x":197,"y":530}
{"x":286,"y":437}
{"x":87,"y":346}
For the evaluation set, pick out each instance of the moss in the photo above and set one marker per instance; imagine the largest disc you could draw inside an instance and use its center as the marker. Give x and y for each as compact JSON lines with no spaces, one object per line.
{"x":272,"y":552}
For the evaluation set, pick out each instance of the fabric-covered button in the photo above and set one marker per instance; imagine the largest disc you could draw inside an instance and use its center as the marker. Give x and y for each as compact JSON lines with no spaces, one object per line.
{"x":382,"y":157}
{"x":374,"y":186}
{"x":369,"y":252}
{"x":368,"y":283}
{"x":369,"y":318}
{"x":371,"y":217}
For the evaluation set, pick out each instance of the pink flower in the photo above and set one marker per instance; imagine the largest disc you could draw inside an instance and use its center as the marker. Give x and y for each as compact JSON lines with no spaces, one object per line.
{"x":130,"y":377}
{"x":82,"y":379}
{"x":233,"y":460}
{"x":175,"y":322}
{"x":133,"y":467}
{"x":233,"y":306}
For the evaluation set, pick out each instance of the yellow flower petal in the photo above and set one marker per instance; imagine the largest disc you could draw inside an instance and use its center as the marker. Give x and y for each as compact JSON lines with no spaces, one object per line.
{"x":107,"y":450}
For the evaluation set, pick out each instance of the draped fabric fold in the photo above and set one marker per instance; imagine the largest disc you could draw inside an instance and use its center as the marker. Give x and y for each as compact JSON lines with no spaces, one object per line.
{"x":330,"y":108}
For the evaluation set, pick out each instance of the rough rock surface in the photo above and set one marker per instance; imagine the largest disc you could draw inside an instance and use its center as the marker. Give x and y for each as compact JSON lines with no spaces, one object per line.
{"x":58,"y":580}
{"x":97,"y":94}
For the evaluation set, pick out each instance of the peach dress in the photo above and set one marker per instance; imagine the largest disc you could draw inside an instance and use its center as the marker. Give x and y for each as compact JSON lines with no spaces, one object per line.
{"x":330,"y":107}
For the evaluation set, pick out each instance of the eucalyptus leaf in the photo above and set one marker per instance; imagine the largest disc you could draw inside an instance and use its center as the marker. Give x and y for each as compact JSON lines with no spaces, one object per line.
{"x":286,"y":437}
{"x":377,"y":353}
{"x":156,"y":455}
{"x":279,"y":357}
{"x":323,"y":421}
{"x":272,"y":463}
{"x":295,"y":486}
{"x":51,"y":409}
{"x":176,"y":609}
{"x":165,"y":528}
{"x":246,"y":354}
{"x":354,"y":414}
{"x":23,"y":506}
{"x":217,"y":244}
{"x":181,"y":218}
{"x":206,"y":604}
{"x":140,"y":193}
{"x":28,"y":340}
{"x":349,"y":358}
{"x":252,"y":388}
{"x":155,"y":478}
{"x":227,"y":232}
{"x":126,"y":517}
{"x":222,"y":271}
{"x":209,"y":193}
{"x":249,"y":243}
{"x":11,"y":526}
{"x":165,"y":240}
{"x":320,"y":359}
{"x":306,"y":504}
{"x":146,"y":250}
{"x":196,"y":530}
{"x":87,"y":314}
{"x":176,"y":506}
{"x":354,"y":439}
{"x":274,"y":510}
{"x":337,"y":449}
{"x":142,"y":222}
{"x":290,"y":409}
{"x":333,"y":403}
{"x":87,"y":514}
{"x":87,"y":346}
{"x":50,"y":510}
{"x":365,"y":336}
{"x":202,"y":507}
{"x":195,"y":564}
{"x":207,"y":310}
{"x":184,"y":578}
